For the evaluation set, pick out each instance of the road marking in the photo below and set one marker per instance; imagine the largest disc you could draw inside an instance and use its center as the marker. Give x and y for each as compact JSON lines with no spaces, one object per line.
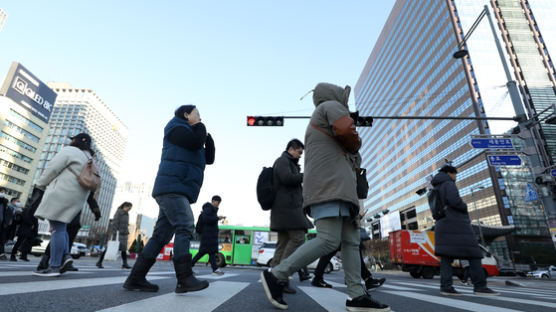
{"x":516,"y":300}
{"x":460,"y":304}
{"x":329,"y":299}
{"x":397,"y":287}
{"x":216,"y":277}
{"x":29,"y":273}
{"x":200,"y":301}
{"x":57,"y":283}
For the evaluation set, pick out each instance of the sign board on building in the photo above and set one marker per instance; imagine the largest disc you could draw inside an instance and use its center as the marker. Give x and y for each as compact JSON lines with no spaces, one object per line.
{"x":492,"y":143}
{"x":28,"y":91}
{"x":504,"y":160}
{"x":553,"y":172}
{"x":389,"y":223}
{"x":531,"y":194}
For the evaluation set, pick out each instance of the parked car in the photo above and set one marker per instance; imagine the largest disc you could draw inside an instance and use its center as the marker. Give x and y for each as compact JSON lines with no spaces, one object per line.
{"x":78,"y":250}
{"x":544,"y":273}
{"x":266,"y":253}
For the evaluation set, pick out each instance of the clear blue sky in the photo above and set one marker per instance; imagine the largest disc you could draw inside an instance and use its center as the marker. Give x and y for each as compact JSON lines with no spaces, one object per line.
{"x":230,"y":58}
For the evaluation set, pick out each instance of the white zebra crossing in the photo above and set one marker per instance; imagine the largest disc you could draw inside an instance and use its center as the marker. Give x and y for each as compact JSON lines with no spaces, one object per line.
{"x":200,"y":301}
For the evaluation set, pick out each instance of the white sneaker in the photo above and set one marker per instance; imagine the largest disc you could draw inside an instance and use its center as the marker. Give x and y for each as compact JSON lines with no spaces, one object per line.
{"x":218,"y":272}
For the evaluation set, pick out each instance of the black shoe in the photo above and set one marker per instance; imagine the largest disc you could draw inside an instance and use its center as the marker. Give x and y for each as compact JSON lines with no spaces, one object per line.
{"x":372,"y":284}
{"x":99,"y":265}
{"x":273,"y":289}
{"x":320,"y":283}
{"x":48,"y":272}
{"x":449,"y":292}
{"x":186,"y":279}
{"x":136,"y":279}
{"x":66,"y":264}
{"x":304,"y":277}
{"x":125,"y":266}
{"x":289,"y":290}
{"x":43,"y":265}
{"x":71,"y":268}
{"x":365,"y":303}
{"x":486,"y":292}
{"x":12,"y":258}
{"x":23,"y":259}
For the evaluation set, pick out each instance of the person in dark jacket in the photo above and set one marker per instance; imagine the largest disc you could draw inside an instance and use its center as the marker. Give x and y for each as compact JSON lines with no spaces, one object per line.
{"x":120,"y":224}
{"x":4,"y":220}
{"x":186,"y":149}
{"x":209,"y":233}
{"x":26,"y":232}
{"x":286,"y":216}
{"x":454,"y":237}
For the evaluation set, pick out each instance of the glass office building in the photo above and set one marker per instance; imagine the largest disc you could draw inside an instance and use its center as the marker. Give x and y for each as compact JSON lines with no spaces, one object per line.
{"x":82,"y":110}
{"x":411,"y":72}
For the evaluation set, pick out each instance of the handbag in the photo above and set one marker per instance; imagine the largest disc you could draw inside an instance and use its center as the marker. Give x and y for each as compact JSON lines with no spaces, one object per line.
{"x":89,"y":178}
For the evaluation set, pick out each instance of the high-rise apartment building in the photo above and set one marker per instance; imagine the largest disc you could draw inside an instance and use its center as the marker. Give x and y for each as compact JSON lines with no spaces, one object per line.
{"x":82,"y":110}
{"x":25,"y":106}
{"x":3,"y":17}
{"x":411,"y":72}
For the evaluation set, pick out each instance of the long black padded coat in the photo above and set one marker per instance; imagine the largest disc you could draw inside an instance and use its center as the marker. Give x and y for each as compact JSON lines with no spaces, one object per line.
{"x":454,"y":237}
{"x":209,"y":225}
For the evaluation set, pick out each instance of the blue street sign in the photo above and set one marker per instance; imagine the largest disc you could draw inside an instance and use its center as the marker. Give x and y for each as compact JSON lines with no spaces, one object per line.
{"x":531,"y":194}
{"x":553,"y":172}
{"x":504,"y":160}
{"x":492,"y":143}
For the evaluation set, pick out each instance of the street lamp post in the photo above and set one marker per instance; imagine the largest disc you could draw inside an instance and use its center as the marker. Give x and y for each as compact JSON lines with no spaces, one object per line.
{"x":477,"y":214}
{"x":524,"y":123}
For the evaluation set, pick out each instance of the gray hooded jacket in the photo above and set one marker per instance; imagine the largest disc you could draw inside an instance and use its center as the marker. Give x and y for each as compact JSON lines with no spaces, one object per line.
{"x":329,"y":167}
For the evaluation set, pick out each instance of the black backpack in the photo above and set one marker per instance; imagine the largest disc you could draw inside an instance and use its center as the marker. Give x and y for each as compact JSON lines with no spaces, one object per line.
{"x":436,"y":205}
{"x":199,"y":226}
{"x":265,"y":188}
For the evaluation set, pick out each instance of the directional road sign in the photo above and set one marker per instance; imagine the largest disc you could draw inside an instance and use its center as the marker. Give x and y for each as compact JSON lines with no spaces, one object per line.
{"x":504,"y":160}
{"x":492,"y":143}
{"x":553,"y":172}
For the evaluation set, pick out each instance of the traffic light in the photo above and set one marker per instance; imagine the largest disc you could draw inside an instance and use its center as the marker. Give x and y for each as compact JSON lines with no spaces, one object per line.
{"x":271,"y":121}
{"x":361,"y":121}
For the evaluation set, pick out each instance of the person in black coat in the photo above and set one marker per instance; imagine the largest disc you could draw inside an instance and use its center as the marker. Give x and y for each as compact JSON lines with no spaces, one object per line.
{"x":26,"y":232}
{"x":454,"y":237}
{"x":287,"y":216}
{"x":4,"y":220}
{"x":207,"y":224}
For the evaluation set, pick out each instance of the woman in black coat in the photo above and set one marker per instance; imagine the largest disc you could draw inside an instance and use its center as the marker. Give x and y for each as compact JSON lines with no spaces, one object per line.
{"x":207,"y":227}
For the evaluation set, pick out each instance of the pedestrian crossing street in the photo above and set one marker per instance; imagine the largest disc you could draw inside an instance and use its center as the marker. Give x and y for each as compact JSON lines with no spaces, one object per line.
{"x":241,"y":290}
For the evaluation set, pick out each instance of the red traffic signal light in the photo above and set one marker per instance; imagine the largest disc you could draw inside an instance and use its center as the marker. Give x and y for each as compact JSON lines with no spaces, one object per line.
{"x":265,"y":121}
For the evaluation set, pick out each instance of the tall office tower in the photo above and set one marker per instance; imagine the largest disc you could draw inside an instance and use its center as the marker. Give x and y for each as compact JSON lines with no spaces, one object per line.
{"x":25,"y":106}
{"x":3,"y":18}
{"x":82,"y":110}
{"x":411,"y":71}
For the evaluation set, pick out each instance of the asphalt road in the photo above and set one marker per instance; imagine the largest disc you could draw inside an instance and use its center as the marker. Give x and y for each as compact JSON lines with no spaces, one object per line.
{"x":93,"y":289}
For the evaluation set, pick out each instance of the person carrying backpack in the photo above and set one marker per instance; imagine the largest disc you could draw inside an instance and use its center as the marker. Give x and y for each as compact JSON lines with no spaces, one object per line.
{"x":454,"y":237}
{"x":208,"y":227}
{"x":63,"y":199}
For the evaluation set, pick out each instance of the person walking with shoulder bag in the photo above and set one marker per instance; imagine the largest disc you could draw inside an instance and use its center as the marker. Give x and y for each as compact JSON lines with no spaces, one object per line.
{"x":120,"y":224}
{"x":63,"y":199}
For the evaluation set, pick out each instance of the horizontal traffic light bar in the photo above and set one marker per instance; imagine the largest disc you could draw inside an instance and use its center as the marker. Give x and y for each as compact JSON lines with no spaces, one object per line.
{"x":362,"y":121}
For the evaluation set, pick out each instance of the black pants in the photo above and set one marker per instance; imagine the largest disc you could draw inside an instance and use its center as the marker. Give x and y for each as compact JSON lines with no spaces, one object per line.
{"x":212,"y":259}
{"x":24,"y":245}
{"x":476,"y":271}
{"x":324,"y":260}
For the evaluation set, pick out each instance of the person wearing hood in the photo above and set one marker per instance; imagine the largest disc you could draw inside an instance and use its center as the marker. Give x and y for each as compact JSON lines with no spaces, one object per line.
{"x":286,"y":216}
{"x":186,"y":149}
{"x":330,"y":197}
{"x":208,"y":227}
{"x":454,"y":237}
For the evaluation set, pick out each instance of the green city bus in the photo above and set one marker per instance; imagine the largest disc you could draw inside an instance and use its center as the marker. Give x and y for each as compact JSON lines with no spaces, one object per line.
{"x":237,"y":245}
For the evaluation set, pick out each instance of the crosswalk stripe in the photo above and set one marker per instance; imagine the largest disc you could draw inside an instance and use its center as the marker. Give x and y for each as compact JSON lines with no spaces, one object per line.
{"x":200,"y":301}
{"x":216,"y":277}
{"x":27,"y":273}
{"x":329,"y":299}
{"x":57,"y":283}
{"x":388,"y":286}
{"x":527,"y":292}
{"x":460,"y":304}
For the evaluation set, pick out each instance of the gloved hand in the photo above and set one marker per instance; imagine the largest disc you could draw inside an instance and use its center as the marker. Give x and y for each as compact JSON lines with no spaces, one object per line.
{"x":96,"y":212}
{"x":35,"y":200}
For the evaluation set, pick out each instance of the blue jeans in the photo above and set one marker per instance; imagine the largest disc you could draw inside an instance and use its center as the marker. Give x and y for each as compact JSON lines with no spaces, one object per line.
{"x":174,"y":217}
{"x":478,"y":277}
{"x":59,"y":242}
